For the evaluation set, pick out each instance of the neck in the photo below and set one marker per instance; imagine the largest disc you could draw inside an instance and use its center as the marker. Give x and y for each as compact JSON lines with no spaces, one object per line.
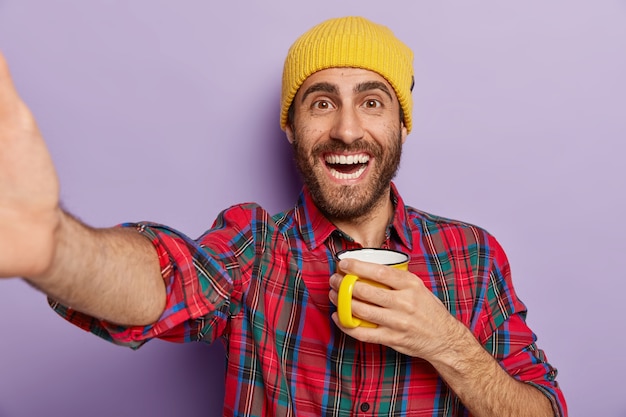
{"x":370,"y":229}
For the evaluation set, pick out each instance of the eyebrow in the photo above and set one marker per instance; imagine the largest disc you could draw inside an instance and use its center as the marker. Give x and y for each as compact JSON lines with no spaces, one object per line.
{"x":323,"y":87}
{"x":359,"y":88}
{"x":372,"y":85}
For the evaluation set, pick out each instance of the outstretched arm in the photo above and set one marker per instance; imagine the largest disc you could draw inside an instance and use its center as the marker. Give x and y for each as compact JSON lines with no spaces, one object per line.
{"x":112,"y":274}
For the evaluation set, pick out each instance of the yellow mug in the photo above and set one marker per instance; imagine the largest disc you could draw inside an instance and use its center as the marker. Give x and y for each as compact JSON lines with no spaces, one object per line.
{"x":392,"y":258}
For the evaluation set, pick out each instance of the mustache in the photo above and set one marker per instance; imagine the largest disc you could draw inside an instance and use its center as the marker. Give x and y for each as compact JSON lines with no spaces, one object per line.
{"x":341,"y":147}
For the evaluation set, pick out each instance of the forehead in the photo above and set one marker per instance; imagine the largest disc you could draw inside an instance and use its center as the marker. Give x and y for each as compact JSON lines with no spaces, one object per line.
{"x":345,"y":79}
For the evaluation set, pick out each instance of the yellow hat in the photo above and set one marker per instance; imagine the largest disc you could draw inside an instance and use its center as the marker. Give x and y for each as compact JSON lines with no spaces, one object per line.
{"x":349,"y":42}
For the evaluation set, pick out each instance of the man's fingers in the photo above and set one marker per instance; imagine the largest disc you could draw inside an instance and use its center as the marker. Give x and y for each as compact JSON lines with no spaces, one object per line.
{"x":14,"y":114}
{"x":29,"y":189}
{"x":383,"y":274}
{"x":8,"y":94}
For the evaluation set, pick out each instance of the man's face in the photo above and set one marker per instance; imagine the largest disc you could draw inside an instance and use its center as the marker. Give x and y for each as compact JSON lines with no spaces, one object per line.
{"x":347,"y":138}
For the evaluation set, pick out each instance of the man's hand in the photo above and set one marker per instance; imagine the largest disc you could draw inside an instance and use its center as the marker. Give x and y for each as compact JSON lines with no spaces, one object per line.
{"x":71,"y":262}
{"x":410,"y":318}
{"x":29,"y":188}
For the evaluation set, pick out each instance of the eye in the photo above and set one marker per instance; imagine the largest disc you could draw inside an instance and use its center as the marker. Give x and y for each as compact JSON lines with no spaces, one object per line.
{"x":321,"y":105}
{"x":372,"y":104}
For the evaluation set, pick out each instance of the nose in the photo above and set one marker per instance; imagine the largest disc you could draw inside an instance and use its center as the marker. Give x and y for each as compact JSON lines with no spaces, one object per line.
{"x":347,"y":125}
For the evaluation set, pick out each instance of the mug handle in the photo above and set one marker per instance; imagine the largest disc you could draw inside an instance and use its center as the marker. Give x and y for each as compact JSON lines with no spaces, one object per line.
{"x":344,"y":304}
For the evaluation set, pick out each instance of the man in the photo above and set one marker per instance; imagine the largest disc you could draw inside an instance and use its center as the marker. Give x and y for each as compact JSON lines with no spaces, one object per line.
{"x":451,"y":337}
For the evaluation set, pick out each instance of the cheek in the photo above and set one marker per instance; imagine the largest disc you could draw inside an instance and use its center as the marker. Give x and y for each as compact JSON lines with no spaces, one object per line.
{"x":308,"y":138}
{"x":315,"y":125}
{"x":392,"y":125}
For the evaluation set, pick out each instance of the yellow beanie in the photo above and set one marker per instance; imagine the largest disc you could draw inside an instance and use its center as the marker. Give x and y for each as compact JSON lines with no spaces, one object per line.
{"x":349,"y":42}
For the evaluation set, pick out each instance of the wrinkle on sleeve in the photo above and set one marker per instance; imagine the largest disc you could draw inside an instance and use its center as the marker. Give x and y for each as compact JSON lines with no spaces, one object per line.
{"x":504,"y":333}
{"x":202,"y":277}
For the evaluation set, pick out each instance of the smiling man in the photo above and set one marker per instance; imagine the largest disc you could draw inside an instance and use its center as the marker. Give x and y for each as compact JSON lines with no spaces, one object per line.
{"x":347,"y":131}
{"x":451,"y":337}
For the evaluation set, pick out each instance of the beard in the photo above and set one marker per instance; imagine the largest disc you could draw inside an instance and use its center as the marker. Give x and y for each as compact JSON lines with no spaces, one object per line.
{"x":348,"y":202}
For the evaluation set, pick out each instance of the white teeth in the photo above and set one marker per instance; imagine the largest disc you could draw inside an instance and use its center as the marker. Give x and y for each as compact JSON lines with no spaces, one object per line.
{"x":343,"y":176}
{"x":347,"y":160}
{"x":334,"y":159}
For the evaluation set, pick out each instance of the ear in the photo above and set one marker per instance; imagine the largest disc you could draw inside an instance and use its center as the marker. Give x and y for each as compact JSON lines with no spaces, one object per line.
{"x":404,"y":133}
{"x":289,"y":133}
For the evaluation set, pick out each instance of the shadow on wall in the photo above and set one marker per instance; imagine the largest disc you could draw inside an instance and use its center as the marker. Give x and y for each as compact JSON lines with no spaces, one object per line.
{"x":272,"y":157}
{"x":287,"y":173}
{"x":161,"y":379}
{"x":204,"y":364}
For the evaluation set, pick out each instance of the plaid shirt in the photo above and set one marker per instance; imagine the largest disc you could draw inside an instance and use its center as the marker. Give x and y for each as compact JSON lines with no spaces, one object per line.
{"x":260,"y":283}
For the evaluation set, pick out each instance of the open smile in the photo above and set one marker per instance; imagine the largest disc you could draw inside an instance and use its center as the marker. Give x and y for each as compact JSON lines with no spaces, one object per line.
{"x":346,"y":167}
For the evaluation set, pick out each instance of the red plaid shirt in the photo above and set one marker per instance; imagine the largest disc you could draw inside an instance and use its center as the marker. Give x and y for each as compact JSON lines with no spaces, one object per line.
{"x":260,"y":283}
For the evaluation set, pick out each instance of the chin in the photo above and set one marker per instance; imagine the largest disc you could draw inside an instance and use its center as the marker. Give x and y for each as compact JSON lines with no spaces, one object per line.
{"x":345,"y":202}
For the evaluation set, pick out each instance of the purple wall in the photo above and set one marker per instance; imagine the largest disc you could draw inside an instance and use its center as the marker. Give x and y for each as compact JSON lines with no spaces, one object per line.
{"x":168,"y":111}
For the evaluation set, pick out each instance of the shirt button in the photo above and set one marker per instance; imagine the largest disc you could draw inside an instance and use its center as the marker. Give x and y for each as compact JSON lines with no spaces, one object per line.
{"x":365,"y":407}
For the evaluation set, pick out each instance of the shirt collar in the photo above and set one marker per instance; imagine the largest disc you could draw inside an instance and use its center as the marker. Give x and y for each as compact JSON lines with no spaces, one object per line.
{"x":315,"y":228}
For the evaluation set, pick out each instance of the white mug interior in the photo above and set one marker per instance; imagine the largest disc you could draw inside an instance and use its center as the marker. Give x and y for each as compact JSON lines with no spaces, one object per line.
{"x":375,"y":255}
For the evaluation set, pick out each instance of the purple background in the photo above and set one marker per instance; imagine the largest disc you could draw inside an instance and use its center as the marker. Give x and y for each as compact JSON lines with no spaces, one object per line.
{"x":168,"y":111}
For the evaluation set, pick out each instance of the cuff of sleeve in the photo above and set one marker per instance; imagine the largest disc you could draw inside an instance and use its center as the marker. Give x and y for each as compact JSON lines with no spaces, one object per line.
{"x":555,"y":397}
